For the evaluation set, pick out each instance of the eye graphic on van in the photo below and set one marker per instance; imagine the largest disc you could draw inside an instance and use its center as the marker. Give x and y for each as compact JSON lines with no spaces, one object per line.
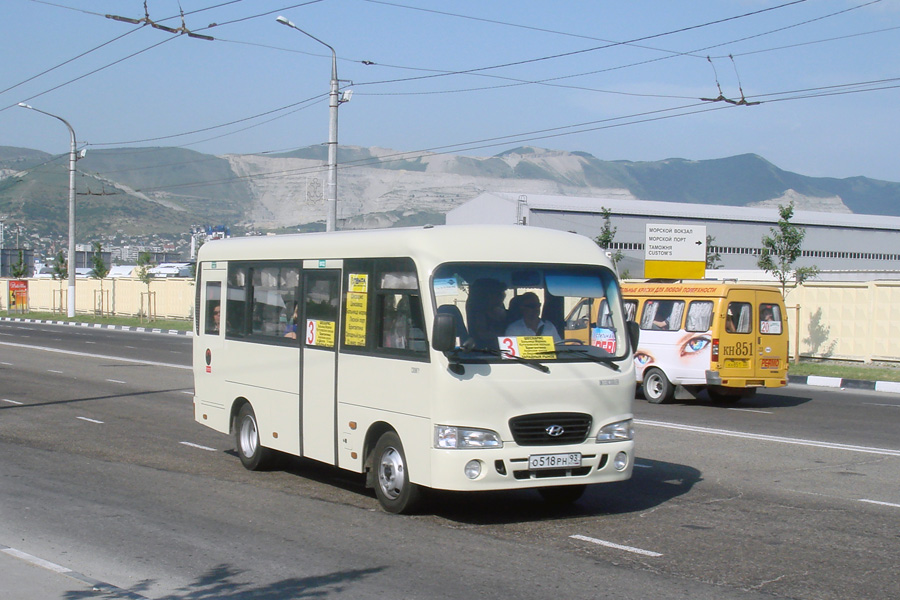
{"x":641,"y":358}
{"x":695,"y":344}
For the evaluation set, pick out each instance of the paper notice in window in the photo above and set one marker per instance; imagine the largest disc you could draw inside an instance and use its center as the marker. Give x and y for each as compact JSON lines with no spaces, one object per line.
{"x":538,"y":347}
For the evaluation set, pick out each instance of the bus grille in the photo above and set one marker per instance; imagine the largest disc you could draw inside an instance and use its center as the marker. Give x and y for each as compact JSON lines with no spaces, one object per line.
{"x":535,"y":430}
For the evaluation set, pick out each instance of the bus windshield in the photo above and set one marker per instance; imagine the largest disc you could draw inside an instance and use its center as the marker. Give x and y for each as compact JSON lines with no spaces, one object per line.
{"x":507,"y":311}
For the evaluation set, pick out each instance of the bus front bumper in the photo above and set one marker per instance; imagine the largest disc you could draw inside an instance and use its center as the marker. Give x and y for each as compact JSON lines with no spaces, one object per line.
{"x":519,"y":467}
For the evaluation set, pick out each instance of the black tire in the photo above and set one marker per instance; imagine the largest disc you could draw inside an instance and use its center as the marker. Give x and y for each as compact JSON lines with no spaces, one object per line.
{"x":656,"y":386}
{"x":246,"y":441}
{"x":394,"y":491}
{"x":562,"y":494}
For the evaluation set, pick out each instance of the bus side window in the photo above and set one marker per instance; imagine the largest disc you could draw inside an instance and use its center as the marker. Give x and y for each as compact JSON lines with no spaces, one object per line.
{"x":400,"y":321}
{"x":662,"y":314}
{"x":236,"y":302}
{"x":213,"y":307}
{"x":699,"y":316}
{"x":630,"y":309}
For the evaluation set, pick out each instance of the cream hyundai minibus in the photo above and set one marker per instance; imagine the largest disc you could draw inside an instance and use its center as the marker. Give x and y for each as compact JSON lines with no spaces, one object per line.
{"x":727,"y":338}
{"x":423,"y":357}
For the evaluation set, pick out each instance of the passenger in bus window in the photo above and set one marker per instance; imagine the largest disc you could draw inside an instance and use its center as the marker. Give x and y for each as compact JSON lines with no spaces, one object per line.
{"x":290,"y":330}
{"x":213,"y":326}
{"x":485,"y":312}
{"x":766,"y":314}
{"x":531,"y":323}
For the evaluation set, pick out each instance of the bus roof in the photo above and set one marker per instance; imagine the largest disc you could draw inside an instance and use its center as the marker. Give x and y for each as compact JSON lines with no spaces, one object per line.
{"x":430,"y":245}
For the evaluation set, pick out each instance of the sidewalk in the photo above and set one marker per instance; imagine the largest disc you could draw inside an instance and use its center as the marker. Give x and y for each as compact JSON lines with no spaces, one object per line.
{"x":99,"y":326}
{"x":849,"y":384}
{"x":27,"y":577}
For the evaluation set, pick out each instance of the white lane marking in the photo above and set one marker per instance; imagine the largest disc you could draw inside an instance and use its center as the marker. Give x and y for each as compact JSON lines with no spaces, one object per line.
{"x":584,"y":538}
{"x":40,"y":562}
{"x":100,"y":356}
{"x":116,"y":381}
{"x":189,"y":392}
{"x":640,"y":466}
{"x":90,"y":420}
{"x":880,"y":502}
{"x":53,"y":371}
{"x":772,"y":438}
{"x":762,"y":412}
{"x":881,"y":404}
{"x":192,"y":445}
{"x":11,"y":401}
{"x":6,"y":363}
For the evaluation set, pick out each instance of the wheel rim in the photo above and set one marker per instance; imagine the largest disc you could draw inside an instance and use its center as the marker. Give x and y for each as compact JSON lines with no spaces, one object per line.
{"x":249,"y":437}
{"x":391,"y":473}
{"x":654,"y":386}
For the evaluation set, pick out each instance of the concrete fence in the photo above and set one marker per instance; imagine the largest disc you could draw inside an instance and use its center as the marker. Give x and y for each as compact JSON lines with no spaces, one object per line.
{"x":854,"y":321}
{"x":164,"y":299}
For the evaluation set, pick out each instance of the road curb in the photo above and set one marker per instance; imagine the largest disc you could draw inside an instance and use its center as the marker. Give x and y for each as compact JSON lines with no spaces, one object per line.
{"x":842,"y":383}
{"x":100,"y":326}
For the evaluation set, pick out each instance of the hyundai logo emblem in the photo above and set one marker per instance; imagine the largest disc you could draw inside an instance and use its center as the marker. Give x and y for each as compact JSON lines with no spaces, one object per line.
{"x":555,"y":430}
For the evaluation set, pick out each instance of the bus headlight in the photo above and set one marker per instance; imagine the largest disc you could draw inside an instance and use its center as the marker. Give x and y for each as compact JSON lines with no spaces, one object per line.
{"x":617,"y":432}
{"x":446,"y":437}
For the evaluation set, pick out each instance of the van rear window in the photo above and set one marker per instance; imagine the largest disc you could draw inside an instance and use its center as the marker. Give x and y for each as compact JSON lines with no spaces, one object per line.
{"x":770,"y":320}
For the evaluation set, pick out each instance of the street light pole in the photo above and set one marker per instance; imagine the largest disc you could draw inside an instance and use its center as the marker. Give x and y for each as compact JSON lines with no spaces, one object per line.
{"x":333,"y":102}
{"x":70,"y":310}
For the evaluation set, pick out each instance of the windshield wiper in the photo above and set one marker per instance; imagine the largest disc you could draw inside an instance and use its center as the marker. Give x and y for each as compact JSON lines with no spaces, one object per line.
{"x":604,"y":360}
{"x":469,"y":346}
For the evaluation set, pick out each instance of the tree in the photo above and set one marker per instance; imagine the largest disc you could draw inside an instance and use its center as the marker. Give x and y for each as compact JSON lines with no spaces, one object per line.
{"x":61,"y":273}
{"x":144,"y":264}
{"x":99,"y":270}
{"x":713,"y":259}
{"x":607,"y":235}
{"x":19,"y":270}
{"x":782,"y":249}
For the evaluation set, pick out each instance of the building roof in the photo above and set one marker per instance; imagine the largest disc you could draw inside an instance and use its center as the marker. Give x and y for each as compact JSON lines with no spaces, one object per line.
{"x":708,"y":212}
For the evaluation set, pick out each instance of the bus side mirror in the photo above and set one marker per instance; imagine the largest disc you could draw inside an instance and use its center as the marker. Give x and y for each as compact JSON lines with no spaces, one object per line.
{"x":443,"y":335}
{"x":634,"y":334}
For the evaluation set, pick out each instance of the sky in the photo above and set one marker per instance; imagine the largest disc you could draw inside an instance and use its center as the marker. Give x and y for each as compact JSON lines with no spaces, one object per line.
{"x":810,"y":85}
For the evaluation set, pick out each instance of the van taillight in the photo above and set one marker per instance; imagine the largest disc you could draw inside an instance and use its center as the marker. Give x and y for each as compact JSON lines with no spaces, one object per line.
{"x":715,"y":349}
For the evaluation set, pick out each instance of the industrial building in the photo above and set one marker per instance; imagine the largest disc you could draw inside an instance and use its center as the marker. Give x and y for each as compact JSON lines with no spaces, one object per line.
{"x":843,"y":246}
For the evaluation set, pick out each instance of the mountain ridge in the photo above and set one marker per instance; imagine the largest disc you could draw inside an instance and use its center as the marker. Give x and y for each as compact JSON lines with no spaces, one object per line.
{"x":166,"y":190}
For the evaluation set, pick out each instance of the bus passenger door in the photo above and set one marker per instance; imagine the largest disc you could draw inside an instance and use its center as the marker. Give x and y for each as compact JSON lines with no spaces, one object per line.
{"x":317,"y":329}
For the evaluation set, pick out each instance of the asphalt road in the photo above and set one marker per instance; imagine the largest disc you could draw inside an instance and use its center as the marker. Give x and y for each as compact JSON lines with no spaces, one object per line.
{"x":793,"y":494}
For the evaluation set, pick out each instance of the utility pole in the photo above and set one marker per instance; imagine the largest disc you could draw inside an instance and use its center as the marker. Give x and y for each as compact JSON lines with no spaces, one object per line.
{"x":333,"y":102}
{"x":70,"y":311}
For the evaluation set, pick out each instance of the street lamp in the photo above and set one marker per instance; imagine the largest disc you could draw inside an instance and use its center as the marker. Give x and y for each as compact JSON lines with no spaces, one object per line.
{"x":70,"y":311}
{"x":333,"y":102}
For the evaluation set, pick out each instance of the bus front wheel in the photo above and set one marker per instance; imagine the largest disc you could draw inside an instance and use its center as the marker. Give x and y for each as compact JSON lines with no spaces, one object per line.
{"x":657,"y":387}
{"x":246,"y":441}
{"x":395,"y":492}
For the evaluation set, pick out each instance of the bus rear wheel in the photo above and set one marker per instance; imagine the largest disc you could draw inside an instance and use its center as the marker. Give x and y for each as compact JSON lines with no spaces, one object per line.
{"x":246,"y":441}
{"x":657,"y":387}
{"x":395,"y":492}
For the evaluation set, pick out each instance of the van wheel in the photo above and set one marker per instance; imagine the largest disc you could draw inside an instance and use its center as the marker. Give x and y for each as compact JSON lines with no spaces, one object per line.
{"x":395,"y":492}
{"x":657,"y":387}
{"x":246,"y":441}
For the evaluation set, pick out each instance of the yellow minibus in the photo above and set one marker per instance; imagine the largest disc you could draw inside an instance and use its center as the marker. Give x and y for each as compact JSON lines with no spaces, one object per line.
{"x":727,"y":338}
